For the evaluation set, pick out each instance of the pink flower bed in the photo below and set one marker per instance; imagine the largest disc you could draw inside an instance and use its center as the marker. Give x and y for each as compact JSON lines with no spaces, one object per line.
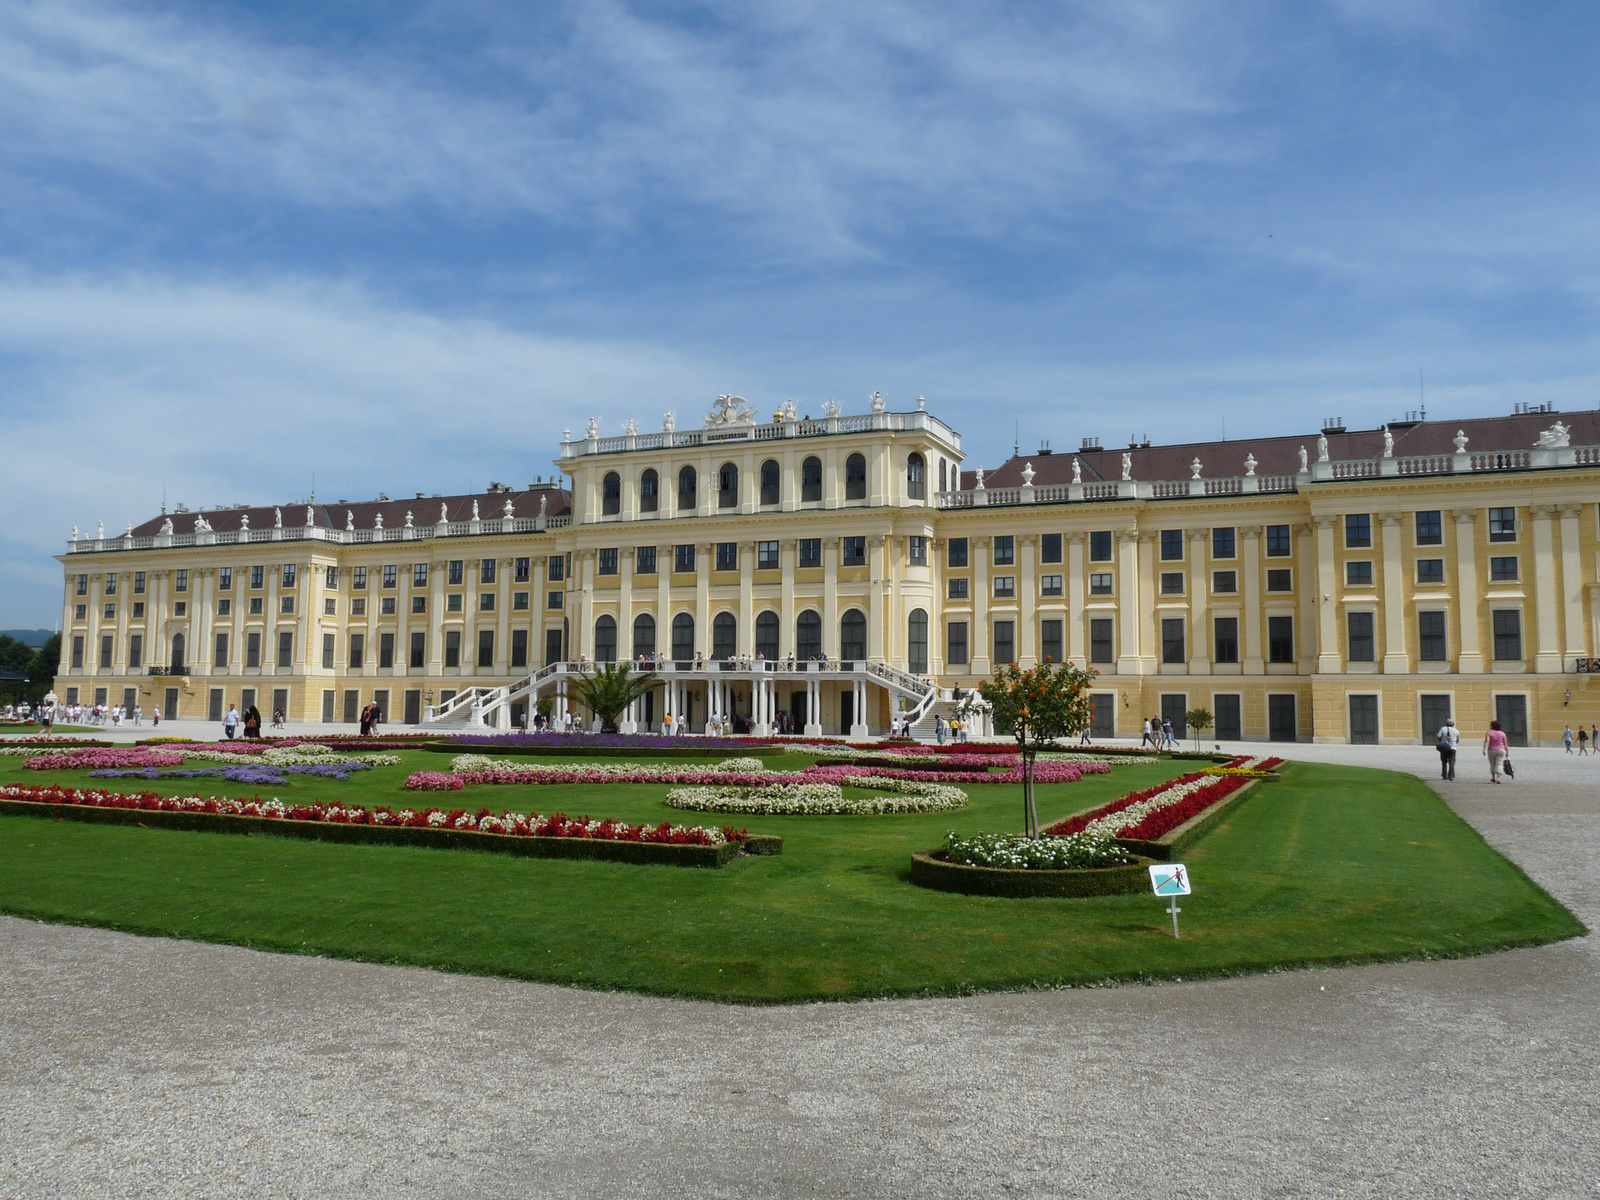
{"x":434,"y":781}
{"x":100,"y":758}
{"x":483,"y":821}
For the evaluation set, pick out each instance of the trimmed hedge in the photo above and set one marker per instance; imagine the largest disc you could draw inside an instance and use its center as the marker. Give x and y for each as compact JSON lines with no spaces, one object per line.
{"x":649,"y":853}
{"x":1172,"y":845}
{"x":933,"y":870}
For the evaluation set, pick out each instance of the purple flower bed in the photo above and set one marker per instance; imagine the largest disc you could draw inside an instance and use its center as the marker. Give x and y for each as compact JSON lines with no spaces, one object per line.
{"x":579,"y":742}
{"x":325,"y":770}
{"x":153,"y":773}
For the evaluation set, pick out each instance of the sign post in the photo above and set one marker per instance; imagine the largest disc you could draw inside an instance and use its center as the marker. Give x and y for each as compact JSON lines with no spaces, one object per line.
{"x":1171,"y":880}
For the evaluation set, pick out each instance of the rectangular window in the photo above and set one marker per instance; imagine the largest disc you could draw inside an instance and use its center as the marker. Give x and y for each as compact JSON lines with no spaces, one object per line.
{"x":1051,"y":645}
{"x":956,"y":643}
{"x":106,"y":644}
{"x":290,"y":574}
{"x":391,"y":576}
{"x":252,"y":649}
{"x":83,"y":585}
{"x":917,"y":551}
{"x":958,"y":589}
{"x":486,"y":570}
{"x":555,"y":599}
{"x":358,"y":607}
{"x":1280,"y":639}
{"x":519,"y":647}
{"x":955,"y":555}
{"x":1225,"y":582}
{"x":419,"y":649}
{"x":286,"y":604}
{"x":1050,"y":548}
{"x":727,"y":556}
{"x":419,"y":574}
{"x":1100,"y":583}
{"x":1101,"y":649}
{"x":552,"y":645}
{"x":1430,"y":529}
{"x":457,"y":572}
{"x":358,"y":649}
{"x":138,"y":581}
{"x":644,"y":560}
{"x":1172,"y":583}
{"x":1430,"y":636}
{"x":109,"y":613}
{"x":327,"y":651}
{"x":452,"y":648}
{"x":286,"y":647}
{"x":522,"y":570}
{"x":607,"y":561}
{"x":386,"y":649}
{"x":358,"y":578}
{"x":77,"y":644}
{"x":810,"y":552}
{"x":683,"y":559}
{"x":1224,"y":543}
{"x":767,"y":556}
{"x":1363,"y":647}
{"x":110,"y":588}
{"x":1172,"y":545}
{"x":258,"y":577}
{"x":1227,"y":639}
{"x":1052,"y":585}
{"x":419,"y":604}
{"x":1278,"y":541}
{"x":1005,"y":551}
{"x":853,"y":551}
{"x":182,"y":584}
{"x":1357,"y":531}
{"x":330,"y":577}
{"x":1430,"y":570}
{"x":1507,"y":634}
{"x":1005,"y":642}
{"x":485,"y":601}
{"x":135,"y":651}
{"x":1280,"y":579}
{"x":1005,"y":586}
{"x":519,"y":601}
{"x":485,"y":647}
{"x":1503,"y":570}
{"x":1172,"y":648}
{"x":138,"y":608}
{"x":1358,"y":574}
{"x":1100,"y":546}
{"x":181,"y":608}
{"x":1502,"y":524}
{"x":256,"y":606}
{"x":220,"y":652}
{"x":330,"y":607}
{"x":386,"y":606}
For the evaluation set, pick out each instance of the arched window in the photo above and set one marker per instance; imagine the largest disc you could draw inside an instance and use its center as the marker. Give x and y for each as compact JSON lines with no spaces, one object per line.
{"x":686,"y":496}
{"x":611,"y":494}
{"x":853,"y":636}
{"x":917,"y":642}
{"x":728,"y":486}
{"x":769,"y":482}
{"x":808,"y":636}
{"x":649,"y":491}
{"x":605,"y":639}
{"x":683,"y":638}
{"x":855,"y":477}
{"x":177,"y":655}
{"x":724,"y":636}
{"x":811,"y":479}
{"x":767,"y":635}
{"x":644,"y":635}
{"x":916,"y":487}
{"x":944,"y":485}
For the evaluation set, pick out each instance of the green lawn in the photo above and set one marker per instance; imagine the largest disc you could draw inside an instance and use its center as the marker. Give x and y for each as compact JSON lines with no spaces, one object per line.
{"x":1332,"y":865}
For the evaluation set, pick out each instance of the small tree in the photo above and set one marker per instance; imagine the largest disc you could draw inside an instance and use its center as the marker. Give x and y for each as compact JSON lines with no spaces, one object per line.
{"x":1038,"y":706}
{"x":608,"y":692}
{"x":1198,"y":720}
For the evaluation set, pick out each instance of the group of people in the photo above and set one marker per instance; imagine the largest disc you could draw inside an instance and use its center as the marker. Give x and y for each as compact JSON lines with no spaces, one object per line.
{"x":1496,"y":748}
{"x":250,"y":719}
{"x":1158,"y":734}
{"x":1586,"y":738}
{"x":50,"y":711}
{"x":955,"y":729}
{"x":371,"y":714}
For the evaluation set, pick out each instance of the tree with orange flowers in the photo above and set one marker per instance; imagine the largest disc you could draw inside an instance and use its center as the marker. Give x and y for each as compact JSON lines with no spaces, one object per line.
{"x":1038,"y":706}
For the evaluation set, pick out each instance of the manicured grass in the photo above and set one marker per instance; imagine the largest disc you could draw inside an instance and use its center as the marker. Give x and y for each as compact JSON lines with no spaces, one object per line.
{"x":1332,"y":865}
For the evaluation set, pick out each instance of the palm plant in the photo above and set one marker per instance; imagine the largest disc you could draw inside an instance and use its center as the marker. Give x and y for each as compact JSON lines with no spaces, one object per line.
{"x":608,"y":692}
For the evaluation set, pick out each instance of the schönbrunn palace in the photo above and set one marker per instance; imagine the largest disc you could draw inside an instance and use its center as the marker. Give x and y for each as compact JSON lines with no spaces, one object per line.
{"x":1337,"y":586}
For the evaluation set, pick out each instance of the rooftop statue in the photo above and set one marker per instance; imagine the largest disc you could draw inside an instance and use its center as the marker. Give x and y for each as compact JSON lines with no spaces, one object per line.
{"x":878,"y":402}
{"x":474,"y":510}
{"x":350,"y":520}
{"x":544,"y":499}
{"x":1127,"y":465}
{"x":201,"y":525}
{"x":670,"y":424}
{"x":1557,"y":436}
{"x":75,"y":530}
{"x":277,"y":518}
{"x":444,"y":513}
{"x":791,"y":410}
{"x":730,"y":410}
{"x":1304,"y":466}
{"x":1388,"y":443}
{"x":1461,"y":440}
{"x":1322,"y":447}
{"x":311,"y":516}
{"x":594,"y":428}
{"x":832,"y":408}
{"x":631,"y":428}
{"x":1077,"y":469}
{"x":166,"y":529}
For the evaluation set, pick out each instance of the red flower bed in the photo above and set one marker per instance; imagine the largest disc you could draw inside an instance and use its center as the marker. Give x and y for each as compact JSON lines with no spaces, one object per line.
{"x":1159,"y":824}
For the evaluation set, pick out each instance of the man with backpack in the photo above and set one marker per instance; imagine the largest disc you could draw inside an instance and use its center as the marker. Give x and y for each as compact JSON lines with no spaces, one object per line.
{"x":1447,"y":739}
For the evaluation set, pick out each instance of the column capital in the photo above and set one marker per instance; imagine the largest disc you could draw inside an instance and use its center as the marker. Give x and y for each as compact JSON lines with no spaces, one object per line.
{"x":1197,"y":534}
{"x":1464,"y":516}
{"x":1390,"y":519}
{"x":1250,"y":533}
{"x":1304,"y":529}
{"x":1570,"y":510}
{"x":1325,"y":522}
{"x":1541,"y":512}
{"x":1077,"y":539}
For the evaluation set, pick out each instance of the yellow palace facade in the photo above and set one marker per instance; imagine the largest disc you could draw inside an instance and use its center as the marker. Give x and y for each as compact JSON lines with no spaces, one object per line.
{"x":834,"y":573}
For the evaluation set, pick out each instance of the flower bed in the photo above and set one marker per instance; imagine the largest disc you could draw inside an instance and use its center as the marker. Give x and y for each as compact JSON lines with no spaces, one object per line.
{"x":1016,"y":852}
{"x":821,"y":799}
{"x":555,"y":835}
{"x":103,"y":758}
{"x":934,"y":870}
{"x":255,"y":773}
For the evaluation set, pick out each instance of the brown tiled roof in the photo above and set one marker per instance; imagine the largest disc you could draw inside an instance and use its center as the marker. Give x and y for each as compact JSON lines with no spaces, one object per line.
{"x":334,"y":516}
{"x":1281,"y":455}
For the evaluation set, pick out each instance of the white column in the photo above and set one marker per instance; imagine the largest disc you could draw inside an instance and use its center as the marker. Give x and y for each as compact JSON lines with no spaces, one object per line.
{"x":1199,"y":592}
{"x":1329,"y":660}
{"x":1128,"y":602}
{"x":1547,"y":649}
{"x":1027,"y":603}
{"x":1076,"y":629}
{"x":1577,"y":645}
{"x":1250,"y":583}
{"x":978,"y":635}
{"x":1470,"y":659}
{"x":1395,"y":660}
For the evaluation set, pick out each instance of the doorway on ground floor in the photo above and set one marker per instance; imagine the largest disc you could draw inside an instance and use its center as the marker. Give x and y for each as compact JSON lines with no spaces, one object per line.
{"x":1512,"y":713}
{"x":1282,"y":723}
{"x":1363,"y":720}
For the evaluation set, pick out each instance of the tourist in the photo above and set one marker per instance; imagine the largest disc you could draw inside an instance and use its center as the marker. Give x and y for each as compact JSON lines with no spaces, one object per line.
{"x":1447,"y":739}
{"x":366,"y":719}
{"x":1494,"y":747}
{"x":1594,"y":738}
{"x":1168,"y":741}
{"x":138,"y":712}
{"x":277,"y":718}
{"x":938,"y":729}
{"x":375,"y":716}
{"x":1083,"y":738}
{"x":1566,"y":738}
{"x":252,"y":722}
{"x":230,"y":723}
{"x":1146,"y":736}
{"x":1583,"y":742}
{"x":155,"y":715}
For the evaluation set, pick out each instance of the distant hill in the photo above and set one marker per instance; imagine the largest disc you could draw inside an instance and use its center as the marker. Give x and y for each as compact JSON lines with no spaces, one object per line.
{"x":29,"y":637}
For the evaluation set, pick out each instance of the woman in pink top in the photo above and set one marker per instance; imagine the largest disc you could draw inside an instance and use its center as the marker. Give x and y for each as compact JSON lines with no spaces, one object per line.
{"x":1494,"y":745}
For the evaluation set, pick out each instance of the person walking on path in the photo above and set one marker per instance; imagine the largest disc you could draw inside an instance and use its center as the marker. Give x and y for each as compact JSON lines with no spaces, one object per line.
{"x":1168,"y":742}
{"x":1146,"y":736}
{"x":1566,"y":738}
{"x":1449,"y":737}
{"x":1494,"y":747}
{"x":252,"y":722}
{"x":1583,"y":741}
{"x":230,"y":723}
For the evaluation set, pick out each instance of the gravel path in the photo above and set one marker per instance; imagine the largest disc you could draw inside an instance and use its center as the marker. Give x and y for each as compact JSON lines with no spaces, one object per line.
{"x":142,"y":1067}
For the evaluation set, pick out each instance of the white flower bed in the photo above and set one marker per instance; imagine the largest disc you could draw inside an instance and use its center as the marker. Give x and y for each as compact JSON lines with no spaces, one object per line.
{"x":1064,"y":756}
{"x":743,"y":766}
{"x":1126,"y":818}
{"x":1011,"y":851}
{"x":822,"y":799}
{"x":288,"y":756}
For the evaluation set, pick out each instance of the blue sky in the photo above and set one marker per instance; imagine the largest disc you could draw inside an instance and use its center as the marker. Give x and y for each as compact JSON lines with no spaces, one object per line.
{"x":404,"y":245}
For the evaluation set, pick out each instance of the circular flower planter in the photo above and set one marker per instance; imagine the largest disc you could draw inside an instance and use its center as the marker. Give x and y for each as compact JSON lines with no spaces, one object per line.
{"x":933,"y":870}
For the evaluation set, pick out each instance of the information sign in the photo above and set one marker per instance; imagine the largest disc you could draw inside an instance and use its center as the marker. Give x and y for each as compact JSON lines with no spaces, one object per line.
{"x":1171,"y":879}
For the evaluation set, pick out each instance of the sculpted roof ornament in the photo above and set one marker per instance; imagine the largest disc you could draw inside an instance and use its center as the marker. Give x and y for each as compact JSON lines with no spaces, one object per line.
{"x":166,"y":529}
{"x":1322,"y":447}
{"x":277,"y":518}
{"x":75,"y":530}
{"x":631,"y":428}
{"x":1304,"y":466}
{"x":670,"y":423}
{"x":444,"y":513}
{"x":507,"y":508}
{"x":878,"y":402}
{"x":1557,"y":436}
{"x":99,"y":530}
{"x":832,"y":408}
{"x":1194,"y":468}
{"x":1028,"y":474}
{"x":1460,"y":440}
{"x":594,"y":428}
{"x":1077,"y":469}
{"x":1127,"y":465}
{"x":408,"y":518}
{"x":1388,"y":443}
{"x":474,"y":510}
{"x":377,"y":521}
{"x":1249,"y":464}
{"x":730,"y":410}
{"x":350,"y":520}
{"x":201,"y":525}
{"x":311,"y":516}
{"x":244,"y":522}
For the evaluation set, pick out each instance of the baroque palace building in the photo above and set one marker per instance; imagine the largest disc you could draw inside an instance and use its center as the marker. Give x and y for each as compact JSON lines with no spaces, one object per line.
{"x":1340,"y":586}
